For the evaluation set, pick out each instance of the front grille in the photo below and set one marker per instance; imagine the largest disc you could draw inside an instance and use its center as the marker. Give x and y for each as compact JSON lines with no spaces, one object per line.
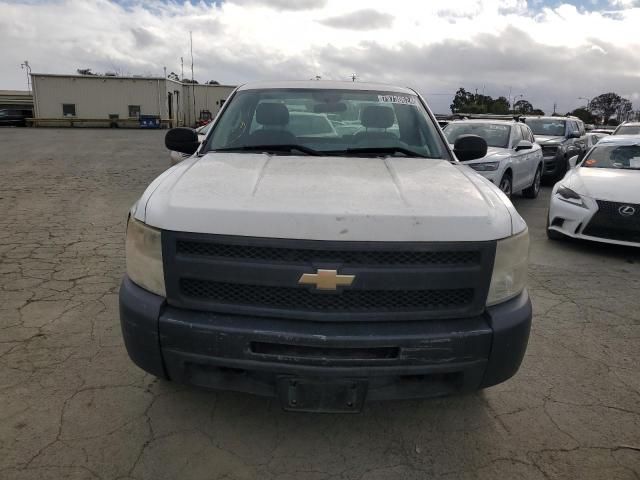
{"x":393,"y":280}
{"x":609,"y":223}
{"x":549,"y":151}
{"x":302,"y":256}
{"x":346,"y":301}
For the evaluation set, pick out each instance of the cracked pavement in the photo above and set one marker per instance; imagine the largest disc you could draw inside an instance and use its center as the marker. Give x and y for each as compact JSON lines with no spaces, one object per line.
{"x":73,"y":406}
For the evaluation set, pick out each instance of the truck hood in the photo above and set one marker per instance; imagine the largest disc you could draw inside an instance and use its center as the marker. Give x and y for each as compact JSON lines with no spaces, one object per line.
{"x":605,"y":184}
{"x":327,"y":198}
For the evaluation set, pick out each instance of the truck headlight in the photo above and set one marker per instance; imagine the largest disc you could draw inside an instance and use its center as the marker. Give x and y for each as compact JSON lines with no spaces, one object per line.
{"x":485,"y":167}
{"x":144,"y":257}
{"x":510,"y":268}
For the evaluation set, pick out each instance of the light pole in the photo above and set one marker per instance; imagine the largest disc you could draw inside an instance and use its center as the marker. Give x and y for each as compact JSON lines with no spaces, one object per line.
{"x":27,"y":67}
{"x":588,"y":102}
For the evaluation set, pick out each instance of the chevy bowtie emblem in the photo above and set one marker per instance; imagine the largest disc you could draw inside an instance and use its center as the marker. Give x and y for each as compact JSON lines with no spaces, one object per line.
{"x":627,"y":210}
{"x":326,"y":279}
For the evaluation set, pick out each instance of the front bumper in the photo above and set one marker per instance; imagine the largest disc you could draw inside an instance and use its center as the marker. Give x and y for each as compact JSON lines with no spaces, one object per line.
{"x":404,"y":359}
{"x":572,"y":220}
{"x":555,"y":165}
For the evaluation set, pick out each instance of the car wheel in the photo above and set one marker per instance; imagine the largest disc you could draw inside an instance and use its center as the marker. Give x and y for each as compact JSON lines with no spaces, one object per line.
{"x":552,"y":234}
{"x":506,"y":184}
{"x":534,"y":189}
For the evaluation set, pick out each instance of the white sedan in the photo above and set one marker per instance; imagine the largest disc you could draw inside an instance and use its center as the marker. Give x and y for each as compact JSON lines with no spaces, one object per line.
{"x":599,"y":198}
{"x":513,"y":162}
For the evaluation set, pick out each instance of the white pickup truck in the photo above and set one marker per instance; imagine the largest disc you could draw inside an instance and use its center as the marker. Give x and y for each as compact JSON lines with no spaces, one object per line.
{"x":360,"y":263}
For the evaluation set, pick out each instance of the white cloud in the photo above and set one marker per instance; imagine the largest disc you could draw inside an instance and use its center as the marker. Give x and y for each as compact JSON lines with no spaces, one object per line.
{"x":546,"y":53}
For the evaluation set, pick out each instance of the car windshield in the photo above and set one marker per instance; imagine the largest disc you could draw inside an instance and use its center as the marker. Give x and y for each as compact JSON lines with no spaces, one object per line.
{"x":548,"y":127}
{"x":628,"y":130}
{"x":327,"y":122}
{"x":625,"y":157}
{"x":494,"y":134}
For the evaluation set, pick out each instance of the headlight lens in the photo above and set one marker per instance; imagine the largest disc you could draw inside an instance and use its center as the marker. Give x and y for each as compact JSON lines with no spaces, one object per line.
{"x":144,"y":257}
{"x":485,"y":167}
{"x":570,"y":196}
{"x":510,"y":268}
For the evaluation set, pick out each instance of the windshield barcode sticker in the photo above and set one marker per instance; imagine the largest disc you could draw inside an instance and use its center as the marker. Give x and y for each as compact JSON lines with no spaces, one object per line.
{"x":403,"y":100}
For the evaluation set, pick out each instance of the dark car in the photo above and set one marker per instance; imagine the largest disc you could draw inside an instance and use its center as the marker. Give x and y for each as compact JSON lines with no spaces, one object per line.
{"x":15,"y":117}
{"x":560,"y":138}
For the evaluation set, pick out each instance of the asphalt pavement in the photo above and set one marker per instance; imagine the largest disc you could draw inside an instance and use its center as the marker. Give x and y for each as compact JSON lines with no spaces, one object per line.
{"x":73,"y":406}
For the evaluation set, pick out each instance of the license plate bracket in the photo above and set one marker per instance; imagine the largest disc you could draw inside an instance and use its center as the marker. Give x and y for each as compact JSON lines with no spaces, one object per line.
{"x":322,"y":395}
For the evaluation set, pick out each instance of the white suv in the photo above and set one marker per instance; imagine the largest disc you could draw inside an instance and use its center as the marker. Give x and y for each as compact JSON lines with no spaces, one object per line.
{"x":326,"y":268}
{"x":514,"y":161}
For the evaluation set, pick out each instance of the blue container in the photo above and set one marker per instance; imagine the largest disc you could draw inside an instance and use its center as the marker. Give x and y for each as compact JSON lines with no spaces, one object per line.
{"x":149,"y":121}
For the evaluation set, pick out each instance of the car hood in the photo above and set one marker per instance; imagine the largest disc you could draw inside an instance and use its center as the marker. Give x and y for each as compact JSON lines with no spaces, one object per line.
{"x":328,"y":198}
{"x":548,"y":140}
{"x":605,"y":184}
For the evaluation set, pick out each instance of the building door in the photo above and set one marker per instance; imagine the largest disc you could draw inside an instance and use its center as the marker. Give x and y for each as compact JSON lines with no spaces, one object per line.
{"x":170,"y":101}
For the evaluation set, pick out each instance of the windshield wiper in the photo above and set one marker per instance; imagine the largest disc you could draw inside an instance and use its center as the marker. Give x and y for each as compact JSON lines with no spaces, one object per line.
{"x":378,"y":150}
{"x":270,"y":148}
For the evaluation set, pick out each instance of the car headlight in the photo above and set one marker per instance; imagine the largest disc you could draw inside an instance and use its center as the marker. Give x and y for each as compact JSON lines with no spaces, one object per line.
{"x":485,"y":167}
{"x":510,"y":268}
{"x":144,"y":257}
{"x":568,"y":195}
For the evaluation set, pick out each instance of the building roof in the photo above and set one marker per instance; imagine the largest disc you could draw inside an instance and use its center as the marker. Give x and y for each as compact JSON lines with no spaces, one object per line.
{"x":119,"y":77}
{"x":327,"y":84}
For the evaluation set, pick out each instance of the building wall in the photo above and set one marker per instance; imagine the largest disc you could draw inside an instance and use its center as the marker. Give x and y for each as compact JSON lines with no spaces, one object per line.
{"x":98,"y":97}
{"x":207,"y":97}
{"x":18,"y":99}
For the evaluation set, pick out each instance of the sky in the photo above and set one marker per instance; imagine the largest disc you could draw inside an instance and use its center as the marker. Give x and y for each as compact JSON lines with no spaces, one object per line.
{"x":548,"y":52}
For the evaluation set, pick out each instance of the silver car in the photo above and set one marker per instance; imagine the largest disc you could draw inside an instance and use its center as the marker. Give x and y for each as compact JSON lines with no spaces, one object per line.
{"x":513,"y":161}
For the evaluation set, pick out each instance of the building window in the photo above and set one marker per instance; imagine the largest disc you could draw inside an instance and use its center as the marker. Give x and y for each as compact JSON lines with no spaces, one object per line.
{"x":68,"y":109}
{"x":134,"y":111}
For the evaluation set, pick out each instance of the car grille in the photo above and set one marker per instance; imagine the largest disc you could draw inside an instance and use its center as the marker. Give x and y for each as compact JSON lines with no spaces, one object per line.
{"x":393,"y":280}
{"x":549,"y":151}
{"x":347,"y":301}
{"x":609,"y":223}
{"x":345,"y":257}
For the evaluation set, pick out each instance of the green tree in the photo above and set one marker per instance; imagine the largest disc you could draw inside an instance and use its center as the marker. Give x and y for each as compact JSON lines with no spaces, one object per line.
{"x":461,"y":101}
{"x":537,"y":111}
{"x":608,"y":104}
{"x":583,"y":114}
{"x":523,"y":107}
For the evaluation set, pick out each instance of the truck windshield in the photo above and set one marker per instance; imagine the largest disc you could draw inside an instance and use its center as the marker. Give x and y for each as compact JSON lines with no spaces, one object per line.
{"x":327,"y":122}
{"x":494,"y":134}
{"x":548,"y":127}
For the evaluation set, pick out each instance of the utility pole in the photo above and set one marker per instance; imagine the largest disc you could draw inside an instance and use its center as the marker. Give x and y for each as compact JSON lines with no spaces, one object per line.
{"x":181,"y":69}
{"x":27,"y":67}
{"x":353,"y":77}
{"x":193,"y":86}
{"x":554,"y":107}
{"x":165,"y":71}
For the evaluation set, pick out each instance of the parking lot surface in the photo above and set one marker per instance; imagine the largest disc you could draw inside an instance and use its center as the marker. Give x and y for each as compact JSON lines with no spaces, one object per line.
{"x":73,"y":406}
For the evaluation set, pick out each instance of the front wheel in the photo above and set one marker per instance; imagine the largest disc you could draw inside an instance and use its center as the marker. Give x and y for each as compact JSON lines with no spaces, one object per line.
{"x":506,"y":185}
{"x":533,"y":190}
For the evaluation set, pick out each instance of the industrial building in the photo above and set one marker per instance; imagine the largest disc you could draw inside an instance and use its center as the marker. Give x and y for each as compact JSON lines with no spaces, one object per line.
{"x":16,"y":99}
{"x":114,"y":101}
